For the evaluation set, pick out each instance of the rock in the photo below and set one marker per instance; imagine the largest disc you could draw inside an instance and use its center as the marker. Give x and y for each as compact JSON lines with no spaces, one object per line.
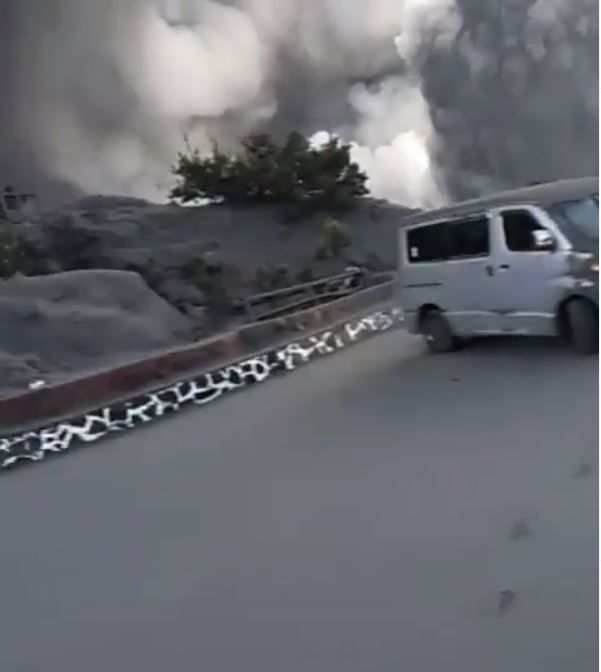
{"x":520,"y":530}
{"x":506,"y":600}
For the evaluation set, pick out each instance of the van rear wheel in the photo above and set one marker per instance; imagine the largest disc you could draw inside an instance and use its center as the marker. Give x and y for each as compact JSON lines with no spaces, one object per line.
{"x":437,"y":332}
{"x":584,"y":326}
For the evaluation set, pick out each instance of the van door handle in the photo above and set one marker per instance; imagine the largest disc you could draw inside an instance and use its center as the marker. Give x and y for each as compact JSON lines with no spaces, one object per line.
{"x":501,"y":267}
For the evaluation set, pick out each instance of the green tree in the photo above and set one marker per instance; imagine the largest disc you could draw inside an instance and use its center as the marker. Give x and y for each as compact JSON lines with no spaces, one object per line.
{"x":204,"y":177}
{"x":263,"y":171}
{"x":256,"y":169}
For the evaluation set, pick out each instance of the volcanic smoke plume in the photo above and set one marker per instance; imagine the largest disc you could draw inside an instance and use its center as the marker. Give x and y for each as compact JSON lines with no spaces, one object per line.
{"x":441,"y":98}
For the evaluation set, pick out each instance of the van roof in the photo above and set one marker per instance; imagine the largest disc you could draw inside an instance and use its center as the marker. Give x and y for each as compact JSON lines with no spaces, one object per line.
{"x":540,"y":194}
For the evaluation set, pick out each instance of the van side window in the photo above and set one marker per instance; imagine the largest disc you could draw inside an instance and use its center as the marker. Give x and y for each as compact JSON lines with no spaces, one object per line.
{"x":469,"y":238}
{"x":518,"y":227}
{"x":427,"y":243}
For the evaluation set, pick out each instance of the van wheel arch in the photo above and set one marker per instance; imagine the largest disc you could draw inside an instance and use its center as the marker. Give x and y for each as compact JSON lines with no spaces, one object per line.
{"x":436,"y":330}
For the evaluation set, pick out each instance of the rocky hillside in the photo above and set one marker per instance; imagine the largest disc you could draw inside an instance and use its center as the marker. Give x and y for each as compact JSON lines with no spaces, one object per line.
{"x":185,"y":269}
{"x":188,"y":254}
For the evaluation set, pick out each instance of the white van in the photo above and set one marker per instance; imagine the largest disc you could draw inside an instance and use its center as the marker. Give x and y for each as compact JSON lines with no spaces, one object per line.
{"x":523,"y":262}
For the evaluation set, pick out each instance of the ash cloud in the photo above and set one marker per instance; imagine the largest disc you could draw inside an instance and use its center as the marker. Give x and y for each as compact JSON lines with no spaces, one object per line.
{"x":441,"y":98}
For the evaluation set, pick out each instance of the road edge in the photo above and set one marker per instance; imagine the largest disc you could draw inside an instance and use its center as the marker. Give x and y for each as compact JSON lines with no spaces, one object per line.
{"x":124,"y":414}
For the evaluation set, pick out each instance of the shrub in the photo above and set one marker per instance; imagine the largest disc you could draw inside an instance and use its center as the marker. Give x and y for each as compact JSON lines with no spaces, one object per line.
{"x":19,"y":256}
{"x":334,"y":237}
{"x":11,"y":255}
{"x":267,"y":173}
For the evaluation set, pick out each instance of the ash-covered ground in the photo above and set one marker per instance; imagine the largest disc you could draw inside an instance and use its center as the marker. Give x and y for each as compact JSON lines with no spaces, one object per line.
{"x":67,"y":323}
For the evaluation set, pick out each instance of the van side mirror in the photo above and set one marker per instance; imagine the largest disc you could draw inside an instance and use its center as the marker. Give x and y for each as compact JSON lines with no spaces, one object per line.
{"x":543,"y":240}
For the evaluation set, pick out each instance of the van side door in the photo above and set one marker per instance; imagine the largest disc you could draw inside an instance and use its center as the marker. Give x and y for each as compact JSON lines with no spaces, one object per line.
{"x":470,"y":286}
{"x":528,"y":277}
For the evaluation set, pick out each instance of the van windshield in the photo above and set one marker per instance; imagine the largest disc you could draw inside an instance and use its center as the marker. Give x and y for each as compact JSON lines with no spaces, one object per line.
{"x":581,"y":215}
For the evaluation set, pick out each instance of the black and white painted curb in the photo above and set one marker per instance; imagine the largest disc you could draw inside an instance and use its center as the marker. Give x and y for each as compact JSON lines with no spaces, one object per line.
{"x":35,"y":445}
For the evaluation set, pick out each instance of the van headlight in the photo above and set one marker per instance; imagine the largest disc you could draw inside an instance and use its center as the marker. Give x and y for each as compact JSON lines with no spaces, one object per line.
{"x":594,"y":268}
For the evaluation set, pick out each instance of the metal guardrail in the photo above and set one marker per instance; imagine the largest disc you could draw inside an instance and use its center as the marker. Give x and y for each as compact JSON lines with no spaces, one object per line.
{"x":281,"y":302}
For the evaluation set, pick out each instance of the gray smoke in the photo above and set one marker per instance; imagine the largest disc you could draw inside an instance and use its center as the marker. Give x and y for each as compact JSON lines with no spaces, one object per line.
{"x":439,"y":97}
{"x":516,"y":97}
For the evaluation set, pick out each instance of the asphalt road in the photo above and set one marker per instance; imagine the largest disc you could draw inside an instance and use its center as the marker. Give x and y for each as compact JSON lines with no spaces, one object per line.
{"x":364,"y":514}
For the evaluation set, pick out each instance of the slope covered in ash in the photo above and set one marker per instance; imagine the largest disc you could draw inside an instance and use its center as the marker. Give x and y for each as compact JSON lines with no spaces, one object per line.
{"x":131,"y":231}
{"x":203,"y":256}
{"x":114,"y":278}
{"x":70,"y":323}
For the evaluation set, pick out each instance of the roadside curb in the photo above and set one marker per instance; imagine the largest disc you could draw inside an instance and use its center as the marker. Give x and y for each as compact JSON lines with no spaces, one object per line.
{"x":195,"y":390}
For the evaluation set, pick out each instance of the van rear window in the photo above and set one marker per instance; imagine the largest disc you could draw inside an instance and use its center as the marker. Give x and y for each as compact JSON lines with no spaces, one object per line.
{"x":458,"y":239}
{"x":427,"y":243}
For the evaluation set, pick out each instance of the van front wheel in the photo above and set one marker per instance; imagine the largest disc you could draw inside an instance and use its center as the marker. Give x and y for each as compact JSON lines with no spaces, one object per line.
{"x":437,"y":332}
{"x":584,"y":326}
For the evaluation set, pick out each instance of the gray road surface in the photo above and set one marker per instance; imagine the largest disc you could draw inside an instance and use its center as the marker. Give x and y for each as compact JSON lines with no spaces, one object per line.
{"x":356,"y":516}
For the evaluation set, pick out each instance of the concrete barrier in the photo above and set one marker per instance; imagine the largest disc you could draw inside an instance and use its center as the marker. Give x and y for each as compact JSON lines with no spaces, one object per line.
{"x":137,"y":393}
{"x":88,"y":391}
